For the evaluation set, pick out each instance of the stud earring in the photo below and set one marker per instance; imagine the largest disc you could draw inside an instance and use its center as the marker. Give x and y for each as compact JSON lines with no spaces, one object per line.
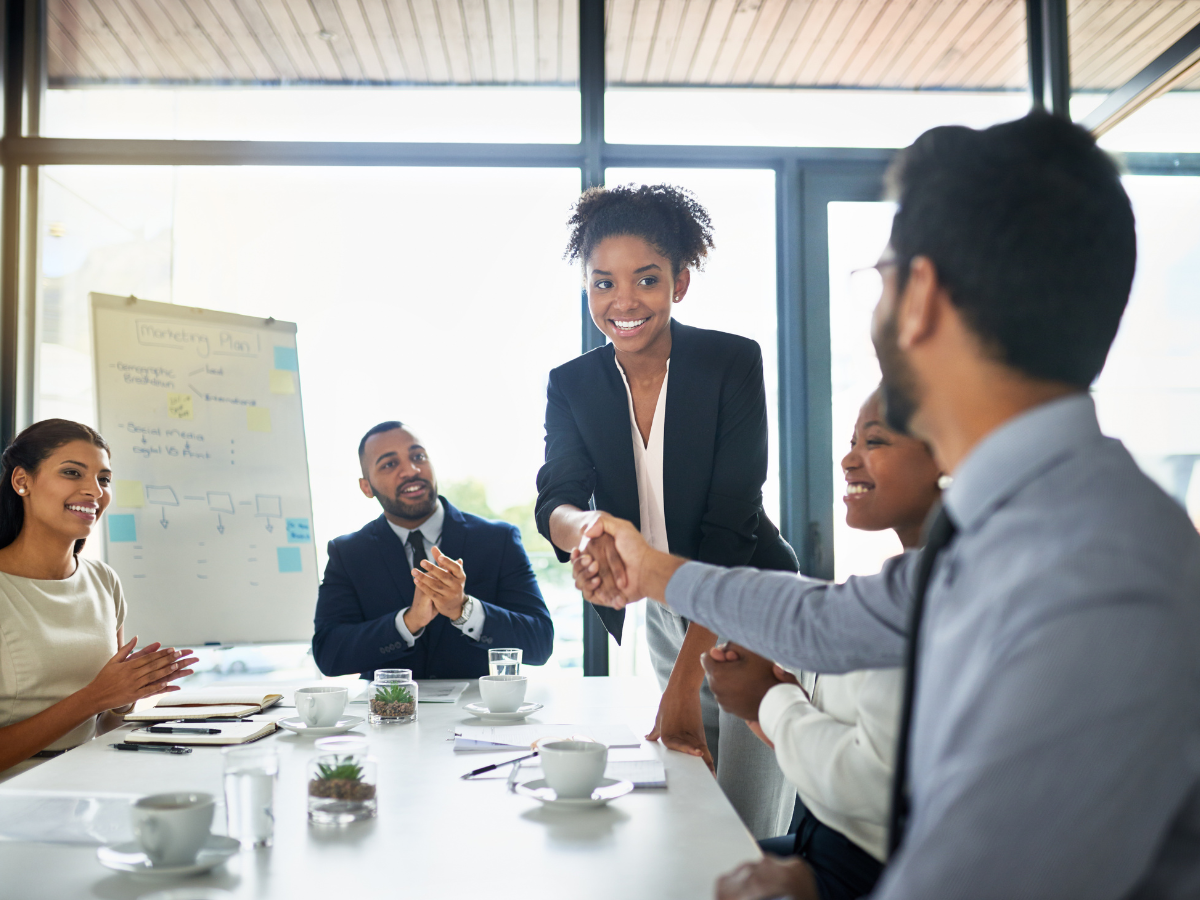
{"x":20,"y":490}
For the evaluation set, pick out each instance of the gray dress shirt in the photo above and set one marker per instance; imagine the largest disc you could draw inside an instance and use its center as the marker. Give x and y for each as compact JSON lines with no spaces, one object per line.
{"x":1056,"y":732}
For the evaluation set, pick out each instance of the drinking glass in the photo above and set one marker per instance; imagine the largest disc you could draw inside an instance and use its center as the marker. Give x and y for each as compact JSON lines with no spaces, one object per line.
{"x":505,"y":661}
{"x":250,"y":774}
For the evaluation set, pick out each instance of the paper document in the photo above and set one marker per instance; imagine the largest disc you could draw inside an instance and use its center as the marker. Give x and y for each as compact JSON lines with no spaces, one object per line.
{"x":243,"y":732}
{"x":65,"y":818}
{"x":521,"y":737}
{"x":199,"y":702}
{"x":440,"y":691}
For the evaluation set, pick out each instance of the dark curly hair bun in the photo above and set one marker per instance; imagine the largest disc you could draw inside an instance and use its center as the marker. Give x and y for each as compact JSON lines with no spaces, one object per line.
{"x":665,"y":216}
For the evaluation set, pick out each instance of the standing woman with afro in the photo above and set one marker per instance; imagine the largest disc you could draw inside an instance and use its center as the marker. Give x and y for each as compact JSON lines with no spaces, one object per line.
{"x":666,"y":426}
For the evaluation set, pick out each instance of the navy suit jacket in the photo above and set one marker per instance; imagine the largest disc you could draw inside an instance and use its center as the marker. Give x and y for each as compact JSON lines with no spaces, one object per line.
{"x":368,"y":580}
{"x":714,"y":451}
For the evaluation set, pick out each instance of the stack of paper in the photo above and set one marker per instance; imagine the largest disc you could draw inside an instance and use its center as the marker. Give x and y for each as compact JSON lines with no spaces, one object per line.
{"x":239,"y":732}
{"x":522,"y":737}
{"x":440,"y":691}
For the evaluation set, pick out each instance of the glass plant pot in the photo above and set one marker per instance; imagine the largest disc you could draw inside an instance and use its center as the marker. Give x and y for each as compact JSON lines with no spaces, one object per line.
{"x":341,"y":782}
{"x":392,"y":697}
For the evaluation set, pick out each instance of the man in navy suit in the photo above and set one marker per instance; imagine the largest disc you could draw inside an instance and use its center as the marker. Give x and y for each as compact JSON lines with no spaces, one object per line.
{"x":425,"y":586}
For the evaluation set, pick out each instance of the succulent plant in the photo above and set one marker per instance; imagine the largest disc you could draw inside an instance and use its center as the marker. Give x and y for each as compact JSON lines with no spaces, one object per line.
{"x":392,"y":693}
{"x":344,"y":770}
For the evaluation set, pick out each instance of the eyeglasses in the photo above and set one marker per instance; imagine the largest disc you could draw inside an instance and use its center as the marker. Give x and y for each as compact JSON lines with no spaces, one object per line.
{"x":866,"y":283}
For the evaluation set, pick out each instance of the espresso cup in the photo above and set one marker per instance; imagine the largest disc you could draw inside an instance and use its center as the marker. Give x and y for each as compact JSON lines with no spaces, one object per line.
{"x":321,"y":707}
{"x":171,"y":828}
{"x":573,"y":768}
{"x":502,"y":693}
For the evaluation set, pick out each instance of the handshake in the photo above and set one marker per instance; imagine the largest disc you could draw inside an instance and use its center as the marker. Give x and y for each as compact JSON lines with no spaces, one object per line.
{"x":614,"y":566}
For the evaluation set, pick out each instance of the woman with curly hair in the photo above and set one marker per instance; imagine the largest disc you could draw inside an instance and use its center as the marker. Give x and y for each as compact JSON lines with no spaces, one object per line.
{"x":66,"y":670}
{"x":666,"y":426}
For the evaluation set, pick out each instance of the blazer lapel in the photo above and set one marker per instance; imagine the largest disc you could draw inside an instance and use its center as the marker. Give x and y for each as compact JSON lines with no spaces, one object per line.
{"x":394,"y":560}
{"x":614,"y":439}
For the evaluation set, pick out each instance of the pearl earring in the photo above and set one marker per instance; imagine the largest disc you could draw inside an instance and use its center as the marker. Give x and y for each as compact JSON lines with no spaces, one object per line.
{"x":20,"y":490}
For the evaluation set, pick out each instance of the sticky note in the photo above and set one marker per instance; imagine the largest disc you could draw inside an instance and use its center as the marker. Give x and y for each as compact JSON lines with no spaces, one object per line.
{"x":297,"y":531}
{"x":289,"y":559}
{"x":122,"y":529}
{"x":179,"y":406}
{"x":285,"y":358}
{"x":282,"y":382}
{"x":258,"y":418}
{"x":128,"y":493}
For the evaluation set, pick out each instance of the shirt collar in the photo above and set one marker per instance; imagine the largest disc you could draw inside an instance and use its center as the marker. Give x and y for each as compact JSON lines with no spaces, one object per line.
{"x":431,"y":528}
{"x":1016,"y":452}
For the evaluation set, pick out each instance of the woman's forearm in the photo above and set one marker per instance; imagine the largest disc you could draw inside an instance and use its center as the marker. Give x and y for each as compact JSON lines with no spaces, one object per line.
{"x":21,"y":740}
{"x":688,"y":672}
{"x":566,"y":527}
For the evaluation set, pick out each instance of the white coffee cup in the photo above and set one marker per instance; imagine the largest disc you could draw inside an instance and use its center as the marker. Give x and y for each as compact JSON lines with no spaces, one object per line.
{"x":502,"y":693}
{"x":171,"y":828}
{"x":573,"y":768}
{"x":321,"y":707}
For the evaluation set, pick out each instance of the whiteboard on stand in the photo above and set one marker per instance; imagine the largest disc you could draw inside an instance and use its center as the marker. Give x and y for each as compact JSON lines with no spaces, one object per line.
{"x":210,"y":525}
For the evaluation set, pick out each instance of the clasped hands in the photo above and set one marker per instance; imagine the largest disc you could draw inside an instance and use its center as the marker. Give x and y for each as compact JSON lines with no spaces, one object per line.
{"x":614,"y":566}
{"x":440,"y":590}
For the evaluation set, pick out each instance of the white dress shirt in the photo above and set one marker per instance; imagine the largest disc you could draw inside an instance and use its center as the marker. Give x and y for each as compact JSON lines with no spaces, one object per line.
{"x":648,"y":465}
{"x":838,"y":749}
{"x":431,"y":531}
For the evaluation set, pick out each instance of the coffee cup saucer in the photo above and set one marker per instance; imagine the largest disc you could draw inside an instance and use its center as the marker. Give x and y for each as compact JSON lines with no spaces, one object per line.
{"x":608,"y":789}
{"x":128,"y":857}
{"x":480,"y":711}
{"x":296,"y":724}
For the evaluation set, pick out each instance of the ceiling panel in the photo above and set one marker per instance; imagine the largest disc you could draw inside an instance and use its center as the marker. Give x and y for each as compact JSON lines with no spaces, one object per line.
{"x":933,"y":44}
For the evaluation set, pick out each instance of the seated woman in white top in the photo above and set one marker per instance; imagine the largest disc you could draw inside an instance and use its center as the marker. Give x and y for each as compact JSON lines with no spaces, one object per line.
{"x":834,"y":735}
{"x":66,"y":672}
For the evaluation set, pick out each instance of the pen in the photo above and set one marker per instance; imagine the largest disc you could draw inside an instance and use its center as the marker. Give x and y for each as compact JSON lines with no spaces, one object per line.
{"x":499,"y":765}
{"x":161,"y":748}
{"x":165,"y":729}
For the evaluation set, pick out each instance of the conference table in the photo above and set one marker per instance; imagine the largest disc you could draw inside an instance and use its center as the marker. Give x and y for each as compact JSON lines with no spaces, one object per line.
{"x":435,"y":835}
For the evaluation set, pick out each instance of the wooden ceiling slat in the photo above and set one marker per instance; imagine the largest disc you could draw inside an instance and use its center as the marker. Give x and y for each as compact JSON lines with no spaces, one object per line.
{"x":266,"y":38}
{"x":437,"y":56}
{"x":979,"y":38}
{"x":1004,"y":52}
{"x":874,"y":22}
{"x":63,"y":44}
{"x":888,"y":38}
{"x":308,"y":30}
{"x":367,"y":50}
{"x":407,"y":37}
{"x":618,"y":38}
{"x":643,"y":30}
{"x":1116,"y":32}
{"x":912,"y":39}
{"x":350,"y":43}
{"x":944,"y":53}
{"x":842,"y":16}
{"x":291,"y":42}
{"x":815,"y":23}
{"x":377,"y":16}
{"x":214,"y":30}
{"x":503,"y":47}
{"x":709,"y":45}
{"x":662,"y":41}
{"x":455,"y":41}
{"x":249,"y":44}
{"x":216,"y":66}
{"x":760,"y":37}
{"x":781,"y":48}
{"x":176,"y":41}
{"x":479,"y":39}
{"x":744,"y":21}
{"x":927,"y":41}
{"x":691,"y":25}
{"x":103,"y":46}
{"x":569,"y":45}
{"x":1140,"y":45}
{"x":151,"y":55}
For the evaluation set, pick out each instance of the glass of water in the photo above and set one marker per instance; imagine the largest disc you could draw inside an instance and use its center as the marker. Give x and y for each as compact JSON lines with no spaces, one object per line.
{"x":250,"y":774}
{"x":505,"y":661}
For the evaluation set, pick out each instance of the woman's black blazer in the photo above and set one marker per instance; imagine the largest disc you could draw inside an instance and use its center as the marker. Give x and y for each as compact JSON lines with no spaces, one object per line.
{"x":714,"y":451}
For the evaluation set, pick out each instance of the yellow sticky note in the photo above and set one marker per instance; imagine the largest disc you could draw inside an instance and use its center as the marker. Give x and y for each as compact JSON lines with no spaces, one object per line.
{"x":258,"y":418}
{"x":282,"y":382}
{"x":179,"y":406}
{"x":128,"y":493}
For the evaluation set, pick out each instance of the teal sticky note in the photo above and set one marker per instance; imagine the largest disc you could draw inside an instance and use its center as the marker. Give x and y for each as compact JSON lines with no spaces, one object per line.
{"x":285,"y":359}
{"x":122,"y":529}
{"x":289,"y":559}
{"x":297,"y":531}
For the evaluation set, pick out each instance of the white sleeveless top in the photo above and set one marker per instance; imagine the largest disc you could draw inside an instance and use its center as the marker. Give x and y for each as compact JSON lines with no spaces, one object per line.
{"x":55,"y":636}
{"x":648,"y":464}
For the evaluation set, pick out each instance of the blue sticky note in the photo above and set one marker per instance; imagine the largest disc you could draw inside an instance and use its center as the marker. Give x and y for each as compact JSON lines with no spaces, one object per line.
{"x":122,"y":529}
{"x":289,"y":559}
{"x":297,"y":531}
{"x":285,"y":359}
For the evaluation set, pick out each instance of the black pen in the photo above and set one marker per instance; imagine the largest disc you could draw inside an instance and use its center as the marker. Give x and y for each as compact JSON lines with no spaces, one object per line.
{"x":161,"y":748}
{"x":166,"y":729}
{"x":499,"y":765}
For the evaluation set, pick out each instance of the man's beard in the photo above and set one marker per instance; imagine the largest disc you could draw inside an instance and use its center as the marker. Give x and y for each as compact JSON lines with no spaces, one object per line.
{"x":405,"y":509}
{"x":899,"y":383}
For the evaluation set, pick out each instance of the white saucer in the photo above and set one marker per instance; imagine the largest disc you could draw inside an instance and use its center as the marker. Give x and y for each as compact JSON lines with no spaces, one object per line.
{"x":128,"y":857}
{"x":482,"y":712}
{"x":296,"y":724}
{"x":609,"y":789}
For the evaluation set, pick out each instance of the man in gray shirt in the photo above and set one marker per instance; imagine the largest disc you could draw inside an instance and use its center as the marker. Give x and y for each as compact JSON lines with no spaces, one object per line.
{"x":1054,"y":748}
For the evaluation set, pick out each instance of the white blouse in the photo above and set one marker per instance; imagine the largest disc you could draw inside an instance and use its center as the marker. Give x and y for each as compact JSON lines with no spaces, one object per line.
{"x":55,"y":637}
{"x":648,"y":464}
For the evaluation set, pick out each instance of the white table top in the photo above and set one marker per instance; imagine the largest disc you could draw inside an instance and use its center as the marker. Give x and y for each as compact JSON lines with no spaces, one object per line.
{"x":435,"y":835}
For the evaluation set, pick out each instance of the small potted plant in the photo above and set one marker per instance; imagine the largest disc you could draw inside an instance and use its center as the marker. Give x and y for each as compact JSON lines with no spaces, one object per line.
{"x":341,"y":785}
{"x":393,"y":697}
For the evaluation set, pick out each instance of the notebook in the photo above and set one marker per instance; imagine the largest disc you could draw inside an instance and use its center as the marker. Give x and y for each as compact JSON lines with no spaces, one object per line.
{"x":206,"y":702}
{"x":231,"y":733}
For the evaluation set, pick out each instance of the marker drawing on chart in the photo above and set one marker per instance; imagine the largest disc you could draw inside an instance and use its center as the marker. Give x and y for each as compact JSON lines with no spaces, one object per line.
{"x":220,"y":502}
{"x":269,"y":507}
{"x":162,"y":496}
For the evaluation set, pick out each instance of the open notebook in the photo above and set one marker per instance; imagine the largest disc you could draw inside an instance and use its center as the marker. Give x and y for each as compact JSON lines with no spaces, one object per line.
{"x":241,"y":732}
{"x":207,"y":702}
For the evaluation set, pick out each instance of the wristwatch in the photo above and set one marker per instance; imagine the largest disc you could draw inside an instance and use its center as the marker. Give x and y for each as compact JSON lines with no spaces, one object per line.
{"x":468,"y":607}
